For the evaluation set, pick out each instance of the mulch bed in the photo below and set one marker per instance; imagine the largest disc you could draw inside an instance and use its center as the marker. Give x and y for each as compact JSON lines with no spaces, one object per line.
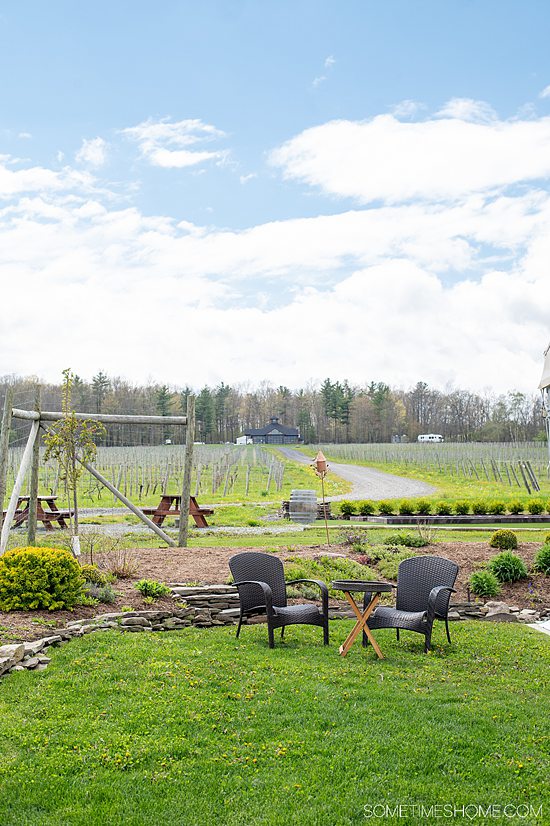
{"x":210,"y":566}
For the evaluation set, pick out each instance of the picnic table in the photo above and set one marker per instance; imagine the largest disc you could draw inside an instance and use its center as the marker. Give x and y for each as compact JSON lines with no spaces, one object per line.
{"x":169,"y":505}
{"x":47,"y":512}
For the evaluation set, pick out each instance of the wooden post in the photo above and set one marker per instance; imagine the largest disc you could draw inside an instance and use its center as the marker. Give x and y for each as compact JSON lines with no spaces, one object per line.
{"x":12,"y":506}
{"x":4,"y":447}
{"x":33,"y":487}
{"x":523,"y":476}
{"x":104,"y":418}
{"x":183,"y":534}
{"x":129,"y":505}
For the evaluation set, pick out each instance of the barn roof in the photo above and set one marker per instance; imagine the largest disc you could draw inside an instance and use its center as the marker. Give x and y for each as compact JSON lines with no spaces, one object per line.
{"x":274,"y":426}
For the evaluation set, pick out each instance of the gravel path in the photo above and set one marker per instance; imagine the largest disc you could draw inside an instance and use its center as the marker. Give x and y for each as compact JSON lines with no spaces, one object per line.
{"x":367,"y":482}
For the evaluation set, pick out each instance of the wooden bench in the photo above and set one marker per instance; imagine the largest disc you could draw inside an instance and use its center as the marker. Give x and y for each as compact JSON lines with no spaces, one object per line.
{"x":169,"y":505}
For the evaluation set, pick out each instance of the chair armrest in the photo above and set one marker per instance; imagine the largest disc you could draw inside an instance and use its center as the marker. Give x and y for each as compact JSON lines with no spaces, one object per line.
{"x":432,"y":599}
{"x":268,"y":593}
{"x":320,"y":584}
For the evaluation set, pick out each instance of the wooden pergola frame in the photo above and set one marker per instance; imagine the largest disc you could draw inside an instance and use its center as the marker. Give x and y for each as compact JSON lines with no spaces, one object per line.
{"x":39,"y":419}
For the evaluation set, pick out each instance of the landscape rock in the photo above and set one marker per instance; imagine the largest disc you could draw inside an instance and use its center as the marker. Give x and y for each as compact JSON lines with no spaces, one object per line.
{"x":55,"y":639}
{"x":14,"y":652}
{"x":501,"y":616}
{"x":495,"y":605}
{"x":32,"y":648}
{"x":135,"y":621}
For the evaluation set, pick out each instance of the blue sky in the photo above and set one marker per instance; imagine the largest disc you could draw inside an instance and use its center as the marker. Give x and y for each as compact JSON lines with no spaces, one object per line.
{"x":300,"y":189}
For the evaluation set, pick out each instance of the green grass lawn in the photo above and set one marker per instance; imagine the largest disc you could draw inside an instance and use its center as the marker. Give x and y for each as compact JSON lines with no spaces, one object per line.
{"x":195,"y":727}
{"x":449,"y":487}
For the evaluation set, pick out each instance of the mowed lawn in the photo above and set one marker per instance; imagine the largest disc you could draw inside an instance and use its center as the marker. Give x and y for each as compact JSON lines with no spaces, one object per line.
{"x":196,"y":727}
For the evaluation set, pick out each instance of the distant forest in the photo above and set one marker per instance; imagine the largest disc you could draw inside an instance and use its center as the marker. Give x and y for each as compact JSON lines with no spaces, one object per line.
{"x":333,"y":411}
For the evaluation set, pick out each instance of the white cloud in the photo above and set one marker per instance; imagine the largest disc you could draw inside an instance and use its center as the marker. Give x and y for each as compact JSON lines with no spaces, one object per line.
{"x":244,"y":179}
{"x":467,"y":109}
{"x":329,"y":62}
{"x":453,"y":291}
{"x":171,"y":144}
{"x":545,"y":92}
{"x":24,"y":136}
{"x":39,"y":179}
{"x":93,"y":152}
{"x":138,"y":275}
{"x":407,"y":108}
{"x":439,"y":158}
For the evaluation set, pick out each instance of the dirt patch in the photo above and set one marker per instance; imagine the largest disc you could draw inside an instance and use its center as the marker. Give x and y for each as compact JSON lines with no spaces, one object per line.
{"x":210,"y":566}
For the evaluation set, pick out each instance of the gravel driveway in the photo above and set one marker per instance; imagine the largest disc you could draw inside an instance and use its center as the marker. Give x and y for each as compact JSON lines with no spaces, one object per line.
{"x":367,"y":482}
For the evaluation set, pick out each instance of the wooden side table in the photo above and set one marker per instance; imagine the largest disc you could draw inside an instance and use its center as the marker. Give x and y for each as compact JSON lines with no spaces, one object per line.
{"x":349,"y":587}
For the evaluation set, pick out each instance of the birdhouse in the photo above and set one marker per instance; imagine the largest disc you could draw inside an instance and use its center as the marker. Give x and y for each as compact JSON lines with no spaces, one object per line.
{"x":320,"y":464}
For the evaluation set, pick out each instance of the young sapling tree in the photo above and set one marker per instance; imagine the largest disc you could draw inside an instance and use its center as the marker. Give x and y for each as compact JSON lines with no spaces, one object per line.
{"x":71,"y":441}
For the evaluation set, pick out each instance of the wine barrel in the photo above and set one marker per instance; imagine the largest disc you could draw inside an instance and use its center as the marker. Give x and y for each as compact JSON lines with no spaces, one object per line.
{"x":303,"y":506}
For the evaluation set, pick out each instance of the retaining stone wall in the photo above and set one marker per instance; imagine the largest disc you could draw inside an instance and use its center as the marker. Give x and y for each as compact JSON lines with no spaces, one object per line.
{"x":205,"y":606}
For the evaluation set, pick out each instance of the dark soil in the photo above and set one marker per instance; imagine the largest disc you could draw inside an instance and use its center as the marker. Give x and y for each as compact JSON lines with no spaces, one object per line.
{"x":210,"y":566}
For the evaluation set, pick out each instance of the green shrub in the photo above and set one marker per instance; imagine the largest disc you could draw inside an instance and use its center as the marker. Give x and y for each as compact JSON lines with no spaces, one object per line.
{"x":535,"y":507}
{"x":516,"y":507}
{"x":100,"y":593}
{"x":462,"y":508}
{"x":388,"y":563}
{"x":347,"y":508}
{"x":542,"y":559}
{"x":497,"y":507}
{"x":406,"y":508}
{"x":92,"y":574}
{"x":443,"y":509}
{"x":484,"y":584}
{"x":367,"y":508}
{"x":423,"y":507}
{"x":34,"y":578}
{"x":152,"y":588}
{"x":409,"y":540}
{"x":386,"y":508}
{"x":506,"y":540}
{"x":326,"y":569}
{"x":357,"y":538}
{"x":479,"y":508}
{"x":507,"y":567}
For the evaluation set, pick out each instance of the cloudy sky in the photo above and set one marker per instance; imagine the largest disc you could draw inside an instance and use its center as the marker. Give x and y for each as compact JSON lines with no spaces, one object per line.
{"x":248,"y":191}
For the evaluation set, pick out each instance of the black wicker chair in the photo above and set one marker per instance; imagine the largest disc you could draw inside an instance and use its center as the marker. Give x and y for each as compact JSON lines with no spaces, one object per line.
{"x":260,"y":580}
{"x":424,"y":588}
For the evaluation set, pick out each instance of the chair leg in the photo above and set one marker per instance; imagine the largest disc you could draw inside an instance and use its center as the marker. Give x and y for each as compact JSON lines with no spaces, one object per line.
{"x":447,"y":629}
{"x":397,"y":633}
{"x":239,"y":625}
{"x":325,"y":632}
{"x":428,"y":641}
{"x":283,"y":632}
{"x":270,"y":636}
{"x":365,"y":640}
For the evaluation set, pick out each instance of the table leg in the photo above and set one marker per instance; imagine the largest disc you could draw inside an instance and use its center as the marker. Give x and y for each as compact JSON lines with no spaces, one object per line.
{"x":361,"y":625}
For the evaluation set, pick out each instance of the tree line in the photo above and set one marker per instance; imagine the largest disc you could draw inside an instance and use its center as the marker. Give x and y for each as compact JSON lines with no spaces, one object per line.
{"x":332,"y":411}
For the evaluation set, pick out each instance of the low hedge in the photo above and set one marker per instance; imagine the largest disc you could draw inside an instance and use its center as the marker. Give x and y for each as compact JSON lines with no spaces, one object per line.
{"x":34,"y":578}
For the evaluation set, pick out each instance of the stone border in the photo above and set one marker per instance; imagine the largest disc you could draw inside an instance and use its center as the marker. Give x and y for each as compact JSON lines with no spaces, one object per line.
{"x":207,"y":606}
